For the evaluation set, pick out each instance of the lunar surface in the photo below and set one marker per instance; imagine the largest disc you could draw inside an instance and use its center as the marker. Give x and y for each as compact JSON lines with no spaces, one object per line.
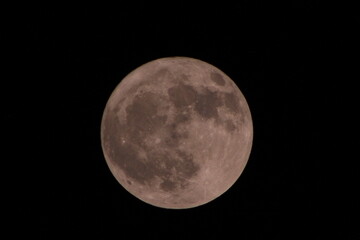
{"x":176,"y":132}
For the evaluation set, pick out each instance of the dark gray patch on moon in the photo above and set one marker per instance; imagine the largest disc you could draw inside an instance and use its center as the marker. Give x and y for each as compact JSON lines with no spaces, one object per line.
{"x":230,"y":126}
{"x":125,"y":155}
{"x":186,"y":166}
{"x":167,"y":185}
{"x":142,"y":114}
{"x":182,"y":95}
{"x":182,"y":117}
{"x":217,"y":78}
{"x":132,"y":165}
{"x":207,"y":103}
{"x":160,"y":73}
{"x":174,"y":135}
{"x":173,"y":167}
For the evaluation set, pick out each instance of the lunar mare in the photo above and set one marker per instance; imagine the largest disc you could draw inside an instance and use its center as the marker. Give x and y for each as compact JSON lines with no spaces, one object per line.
{"x":176,"y":132}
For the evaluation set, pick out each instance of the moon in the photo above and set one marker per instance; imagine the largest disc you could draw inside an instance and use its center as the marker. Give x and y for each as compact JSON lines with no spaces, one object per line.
{"x":176,"y":132}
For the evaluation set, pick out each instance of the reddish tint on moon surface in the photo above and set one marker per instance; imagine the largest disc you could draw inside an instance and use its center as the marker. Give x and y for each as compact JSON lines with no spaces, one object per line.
{"x":176,"y":132}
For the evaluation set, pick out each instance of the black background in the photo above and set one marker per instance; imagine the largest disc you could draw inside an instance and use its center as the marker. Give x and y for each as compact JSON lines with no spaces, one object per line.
{"x":295,"y":62}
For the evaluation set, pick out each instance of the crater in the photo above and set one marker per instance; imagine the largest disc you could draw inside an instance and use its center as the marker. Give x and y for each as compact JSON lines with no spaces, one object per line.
{"x":230,"y":126}
{"x":217,"y":78}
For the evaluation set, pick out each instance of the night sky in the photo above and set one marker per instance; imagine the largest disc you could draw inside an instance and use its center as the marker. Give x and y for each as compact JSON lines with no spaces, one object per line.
{"x":295,"y":62}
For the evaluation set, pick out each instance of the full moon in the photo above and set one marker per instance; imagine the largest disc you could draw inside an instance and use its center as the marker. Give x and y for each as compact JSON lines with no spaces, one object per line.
{"x":176,"y":132}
